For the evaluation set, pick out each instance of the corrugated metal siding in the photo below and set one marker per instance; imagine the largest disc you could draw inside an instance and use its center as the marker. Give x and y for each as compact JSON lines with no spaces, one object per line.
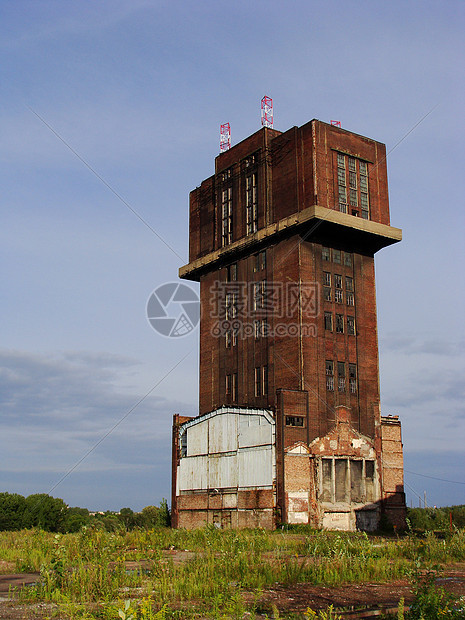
{"x":223,"y":433}
{"x":197,"y":439}
{"x":240,"y":451}
{"x":256,"y":467}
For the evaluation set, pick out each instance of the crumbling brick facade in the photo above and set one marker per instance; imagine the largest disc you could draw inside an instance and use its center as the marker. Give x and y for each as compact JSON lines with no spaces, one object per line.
{"x":282,"y":241}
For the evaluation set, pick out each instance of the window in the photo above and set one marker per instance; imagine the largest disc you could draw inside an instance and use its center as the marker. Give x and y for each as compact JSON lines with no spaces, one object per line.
{"x":259,"y":294}
{"x":337,"y":281}
{"x":251,"y":203}
{"x":256,"y":329}
{"x":341,"y":182}
{"x":183,"y":444}
{"x":226,"y":216}
{"x":338,"y":296}
{"x":231,"y":273}
{"x":326,"y":278}
{"x":356,"y":172}
{"x":345,"y":479}
{"x":326,"y":254}
{"x":341,"y":376}
{"x":294,"y":420}
{"x":264,"y":380}
{"x":339,"y":323}
{"x":230,"y":306}
{"x":337,"y":256}
{"x":347,"y":259}
{"x":327,"y":293}
{"x":259,"y":261}
{"x":329,"y":375}
{"x":228,"y":338}
{"x":350,"y":299}
{"x":353,"y":378}
{"x":329,"y":321}
{"x":261,"y":380}
{"x":231,"y":387}
{"x":351,"y":326}
{"x":364,"y":190}
{"x":349,"y":284}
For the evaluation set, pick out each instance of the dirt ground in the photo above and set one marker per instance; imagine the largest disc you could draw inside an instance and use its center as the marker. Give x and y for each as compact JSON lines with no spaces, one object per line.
{"x":357,"y":600}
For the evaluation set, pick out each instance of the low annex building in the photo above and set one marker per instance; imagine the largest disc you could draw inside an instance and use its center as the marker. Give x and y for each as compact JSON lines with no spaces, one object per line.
{"x":282,"y":241}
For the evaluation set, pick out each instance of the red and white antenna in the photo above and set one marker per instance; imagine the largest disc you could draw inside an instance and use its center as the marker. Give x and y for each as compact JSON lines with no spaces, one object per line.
{"x":336,"y":123}
{"x":225,"y":137}
{"x":267,"y":112}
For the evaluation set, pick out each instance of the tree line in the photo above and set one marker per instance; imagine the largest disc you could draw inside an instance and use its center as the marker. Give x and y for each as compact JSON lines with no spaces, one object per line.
{"x":54,"y":515}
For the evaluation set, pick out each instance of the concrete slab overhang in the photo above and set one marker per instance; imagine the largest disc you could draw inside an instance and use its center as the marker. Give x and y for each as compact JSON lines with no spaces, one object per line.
{"x":314,"y":223}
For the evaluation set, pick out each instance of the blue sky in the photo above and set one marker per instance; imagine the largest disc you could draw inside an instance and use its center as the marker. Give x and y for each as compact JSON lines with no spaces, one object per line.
{"x":138,"y":89}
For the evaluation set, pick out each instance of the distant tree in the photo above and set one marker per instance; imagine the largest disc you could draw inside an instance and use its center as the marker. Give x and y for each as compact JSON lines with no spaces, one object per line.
{"x":12,"y":508}
{"x":45,"y":512}
{"x":75,"y":519}
{"x":126,"y":516}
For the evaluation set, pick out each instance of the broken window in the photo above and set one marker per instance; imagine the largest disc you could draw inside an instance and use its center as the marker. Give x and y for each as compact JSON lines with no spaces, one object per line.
{"x":356,"y":493}
{"x":329,"y":375}
{"x":353,"y":378}
{"x":349,"y":284}
{"x":326,"y":254}
{"x":337,"y":280}
{"x":338,"y":296}
{"x":337,"y":256}
{"x":328,"y":321}
{"x":351,"y":325}
{"x":327,"y":293}
{"x":347,"y":259}
{"x":341,"y":376}
{"x":326,"y":278}
{"x":339,"y":323}
{"x":183,"y":444}
{"x":358,"y":185}
{"x":293,"y":420}
{"x":350,"y":299}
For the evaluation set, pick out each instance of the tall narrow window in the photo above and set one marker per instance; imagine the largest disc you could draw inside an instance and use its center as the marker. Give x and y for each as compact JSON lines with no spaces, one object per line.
{"x":351,"y":325}
{"x":329,"y":375}
{"x":251,"y":203}
{"x":329,"y":321}
{"x":364,"y":190}
{"x":257,"y":380}
{"x":234,"y":387}
{"x":353,"y":378}
{"x":341,"y":376}
{"x":264,"y":380}
{"x":226,"y":216}
{"x":231,"y":273}
{"x":339,"y":323}
{"x":341,"y":182}
{"x":326,"y":254}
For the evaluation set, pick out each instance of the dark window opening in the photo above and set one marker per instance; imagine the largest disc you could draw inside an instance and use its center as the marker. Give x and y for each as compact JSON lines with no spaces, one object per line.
{"x":292,"y":420}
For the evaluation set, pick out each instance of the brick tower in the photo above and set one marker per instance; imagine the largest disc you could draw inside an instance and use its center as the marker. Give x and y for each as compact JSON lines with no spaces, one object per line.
{"x":282,"y":240}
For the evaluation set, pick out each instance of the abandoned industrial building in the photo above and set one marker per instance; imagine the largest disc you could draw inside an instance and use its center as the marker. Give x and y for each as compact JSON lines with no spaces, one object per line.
{"x":282,"y":240}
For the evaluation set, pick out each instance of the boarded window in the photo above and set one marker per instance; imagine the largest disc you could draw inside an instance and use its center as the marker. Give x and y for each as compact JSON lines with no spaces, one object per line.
{"x":326,"y":480}
{"x":341,"y":480}
{"x":356,"y":494}
{"x":370,"y":480}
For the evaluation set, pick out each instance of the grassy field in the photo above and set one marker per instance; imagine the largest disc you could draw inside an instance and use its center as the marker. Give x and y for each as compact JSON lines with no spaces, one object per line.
{"x":165,"y":573}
